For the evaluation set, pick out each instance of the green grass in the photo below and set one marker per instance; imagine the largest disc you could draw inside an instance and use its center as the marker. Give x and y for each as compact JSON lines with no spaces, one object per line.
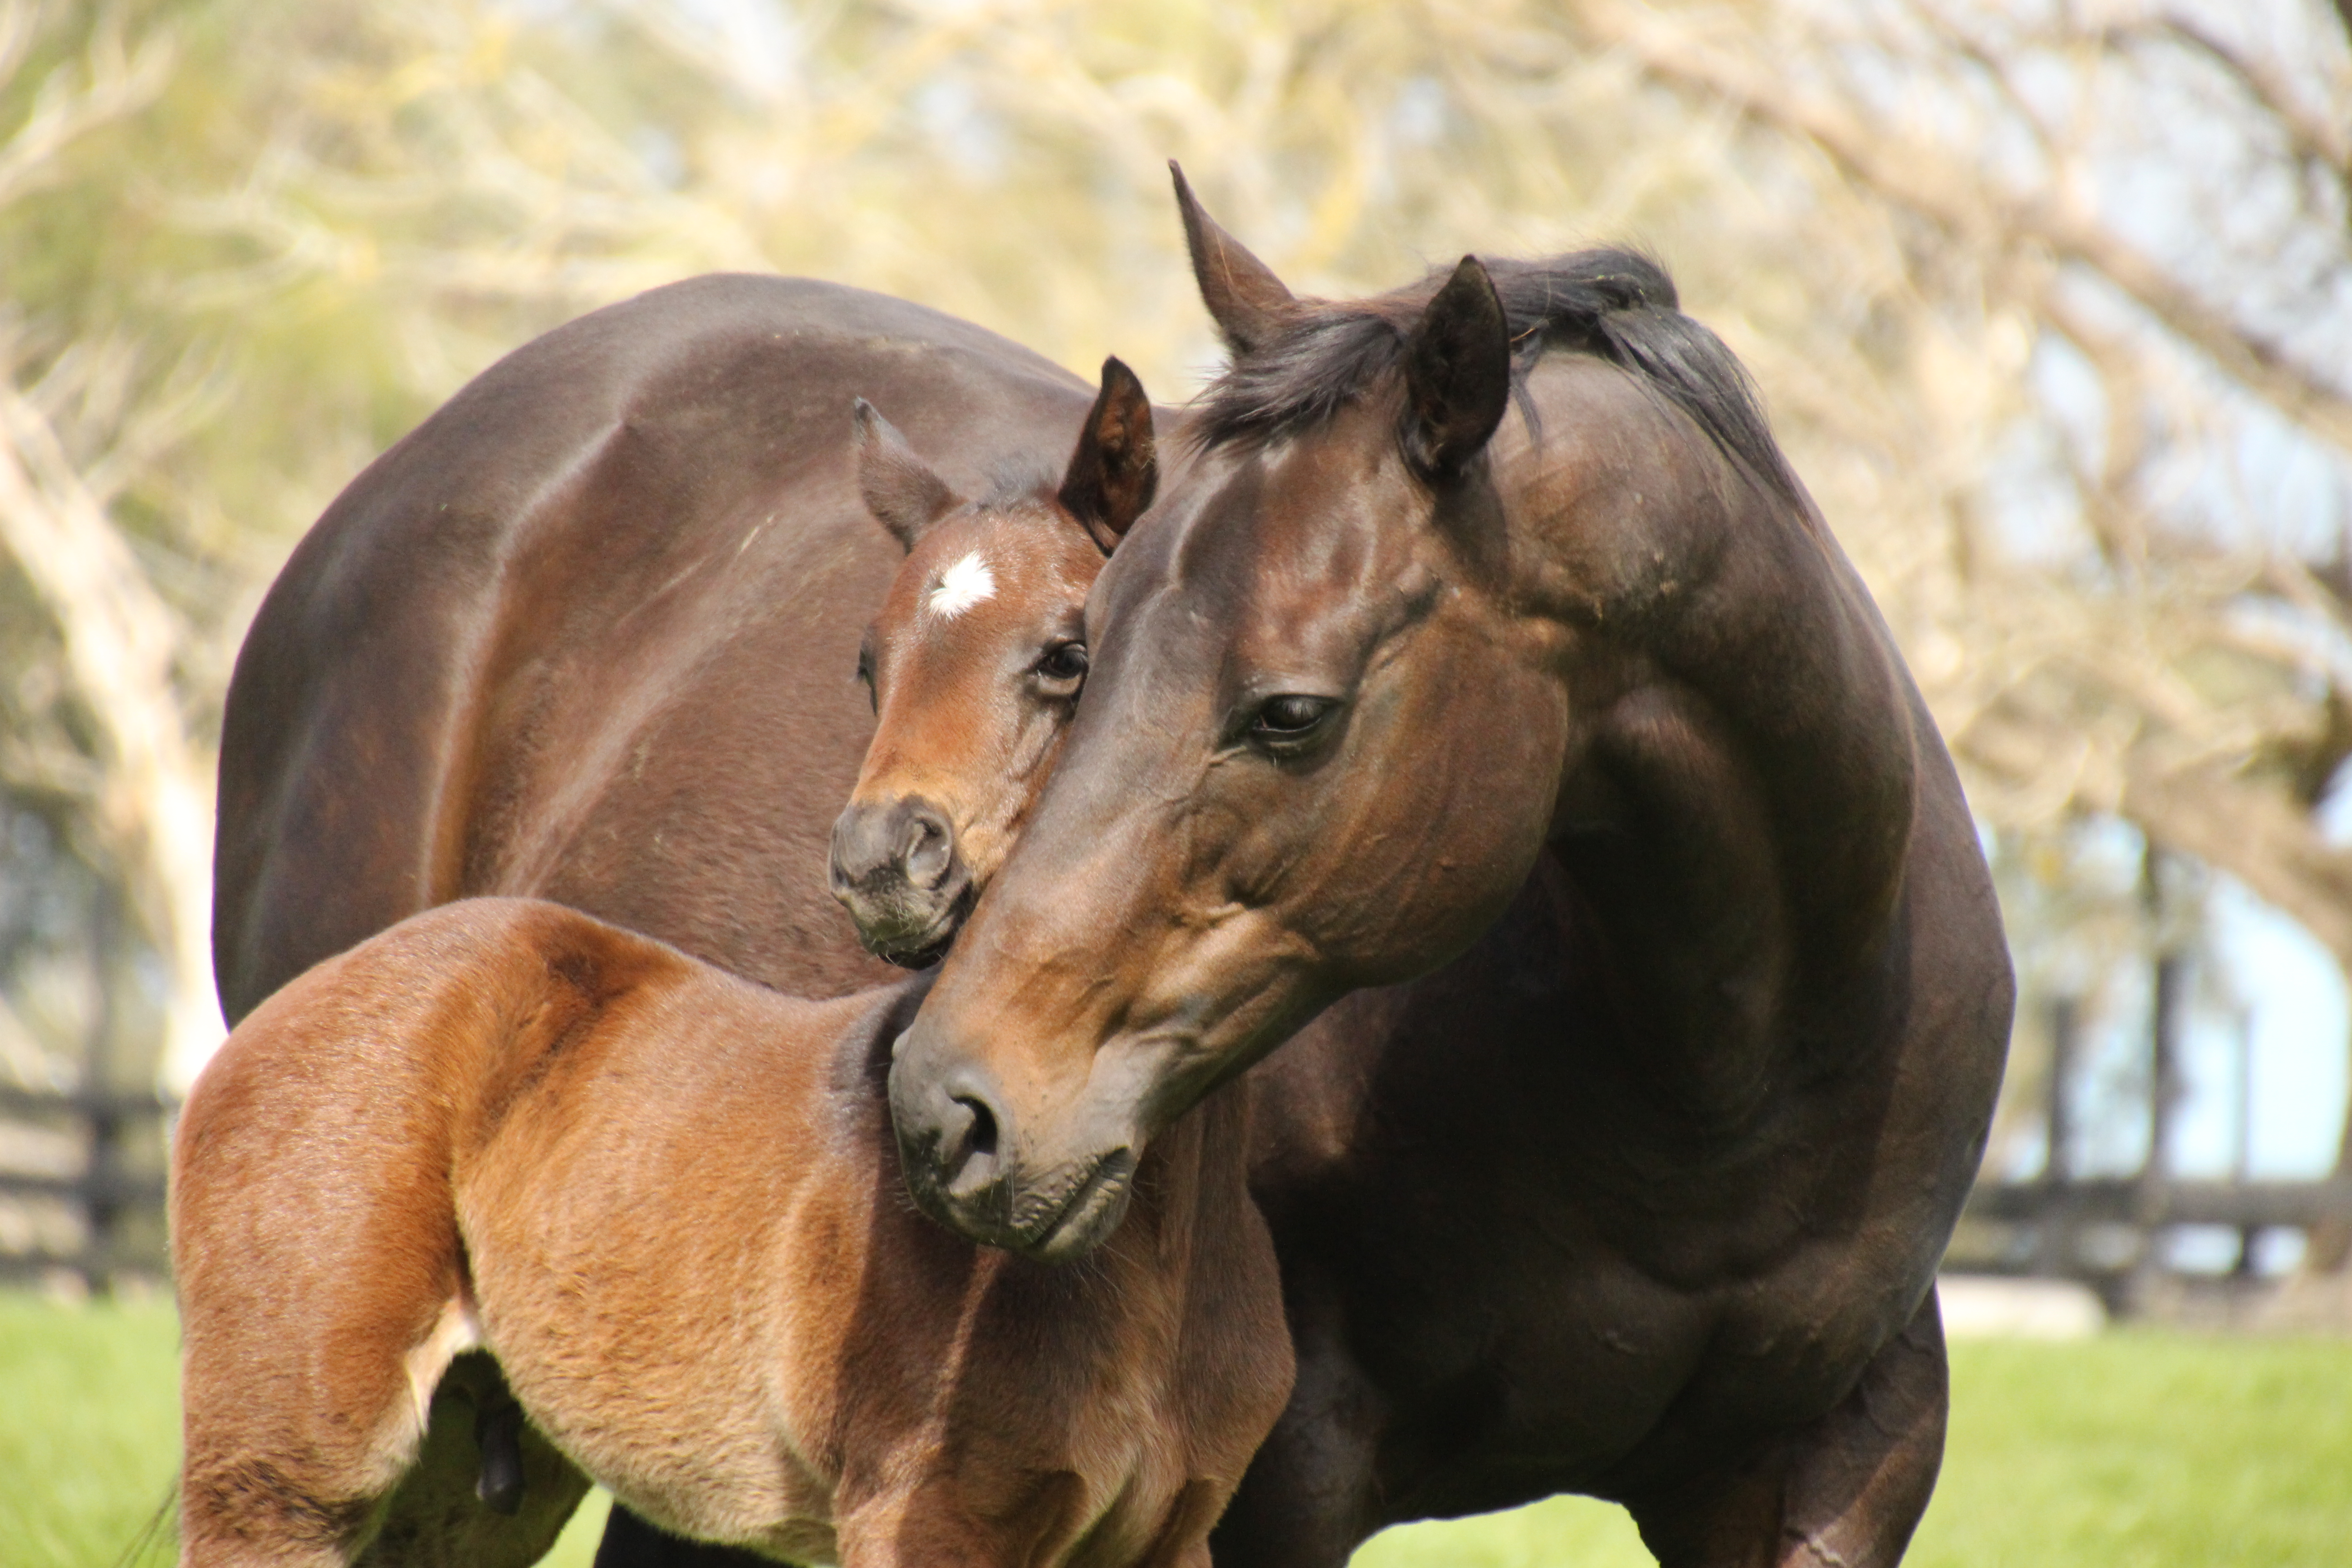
{"x":89,"y":1435}
{"x":2140,"y":1450}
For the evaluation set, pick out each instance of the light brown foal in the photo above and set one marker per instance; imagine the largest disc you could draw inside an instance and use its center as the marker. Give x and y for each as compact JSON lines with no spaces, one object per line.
{"x":505,"y":1161}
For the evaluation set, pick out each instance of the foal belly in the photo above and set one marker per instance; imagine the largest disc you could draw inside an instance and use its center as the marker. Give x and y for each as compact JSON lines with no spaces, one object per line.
{"x":682,"y":1428}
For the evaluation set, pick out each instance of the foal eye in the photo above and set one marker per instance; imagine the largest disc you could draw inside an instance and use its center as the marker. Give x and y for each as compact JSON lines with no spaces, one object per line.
{"x":1064,"y":661}
{"x":1290,"y":716}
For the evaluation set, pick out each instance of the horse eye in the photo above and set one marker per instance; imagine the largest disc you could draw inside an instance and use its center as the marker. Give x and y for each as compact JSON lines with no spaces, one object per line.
{"x":1064,"y":661}
{"x":1290,"y":716}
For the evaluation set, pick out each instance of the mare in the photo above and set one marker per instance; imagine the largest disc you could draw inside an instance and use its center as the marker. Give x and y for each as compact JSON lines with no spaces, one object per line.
{"x":589,"y":633}
{"x":665,"y":1203}
{"x":1643,"y":1194}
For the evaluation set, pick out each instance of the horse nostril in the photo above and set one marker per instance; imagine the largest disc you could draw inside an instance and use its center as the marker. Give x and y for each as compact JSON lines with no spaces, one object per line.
{"x":967,"y":1161}
{"x":928,"y":851}
{"x":979,"y":1138}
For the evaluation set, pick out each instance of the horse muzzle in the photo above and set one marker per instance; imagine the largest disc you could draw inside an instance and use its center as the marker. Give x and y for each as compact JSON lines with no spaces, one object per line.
{"x":967,"y":1167}
{"x":896,"y":869}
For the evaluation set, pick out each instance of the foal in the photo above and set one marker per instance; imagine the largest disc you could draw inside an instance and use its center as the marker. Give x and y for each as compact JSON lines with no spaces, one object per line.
{"x":667,"y":1203}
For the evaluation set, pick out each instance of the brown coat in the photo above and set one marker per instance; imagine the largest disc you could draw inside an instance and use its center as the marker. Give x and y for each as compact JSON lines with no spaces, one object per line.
{"x":668,"y":1202}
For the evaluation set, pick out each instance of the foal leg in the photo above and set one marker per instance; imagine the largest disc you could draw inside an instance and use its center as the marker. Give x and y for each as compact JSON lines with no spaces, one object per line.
{"x":297,"y":1432}
{"x":450,"y":1511}
{"x":1844,"y":1491}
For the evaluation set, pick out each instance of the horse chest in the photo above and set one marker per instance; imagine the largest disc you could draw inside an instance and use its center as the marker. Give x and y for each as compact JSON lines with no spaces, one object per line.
{"x":1522,"y":1268}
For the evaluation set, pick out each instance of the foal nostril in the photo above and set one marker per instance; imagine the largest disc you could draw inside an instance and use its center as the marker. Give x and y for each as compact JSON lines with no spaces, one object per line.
{"x":928,"y":851}
{"x":879,"y":847}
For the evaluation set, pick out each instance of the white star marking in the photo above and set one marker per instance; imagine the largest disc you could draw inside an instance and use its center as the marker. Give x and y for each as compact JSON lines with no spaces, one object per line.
{"x":963,"y":586}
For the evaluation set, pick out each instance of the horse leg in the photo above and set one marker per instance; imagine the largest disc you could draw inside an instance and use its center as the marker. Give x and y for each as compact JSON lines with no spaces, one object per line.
{"x":297,"y":1428}
{"x":630,"y":1543}
{"x":1843,"y":1491}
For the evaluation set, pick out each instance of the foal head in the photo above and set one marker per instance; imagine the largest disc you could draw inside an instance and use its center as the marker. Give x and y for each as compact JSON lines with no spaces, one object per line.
{"x":974,"y":664}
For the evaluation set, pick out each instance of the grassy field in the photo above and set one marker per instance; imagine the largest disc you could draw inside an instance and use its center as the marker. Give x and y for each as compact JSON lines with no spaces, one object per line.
{"x":2139,"y":1450}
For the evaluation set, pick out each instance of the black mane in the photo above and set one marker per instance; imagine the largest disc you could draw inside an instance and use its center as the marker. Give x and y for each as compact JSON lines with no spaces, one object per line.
{"x":1616,"y":304}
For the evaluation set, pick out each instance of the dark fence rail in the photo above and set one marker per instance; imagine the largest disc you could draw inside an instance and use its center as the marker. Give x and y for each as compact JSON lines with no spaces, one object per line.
{"x":2042,"y":1226}
{"x":2124,"y":1200}
{"x":117,"y":1195}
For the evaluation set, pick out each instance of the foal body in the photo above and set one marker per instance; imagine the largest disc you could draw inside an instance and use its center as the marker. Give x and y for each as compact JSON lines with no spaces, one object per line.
{"x":668,"y":1202}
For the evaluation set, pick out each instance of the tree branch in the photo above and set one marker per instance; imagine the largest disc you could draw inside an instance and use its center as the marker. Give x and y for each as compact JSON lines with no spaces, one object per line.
{"x":119,"y":643}
{"x":1957,"y":199}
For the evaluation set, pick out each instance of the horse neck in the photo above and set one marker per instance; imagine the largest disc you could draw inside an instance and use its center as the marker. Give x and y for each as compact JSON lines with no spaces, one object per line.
{"x":1736,"y":798}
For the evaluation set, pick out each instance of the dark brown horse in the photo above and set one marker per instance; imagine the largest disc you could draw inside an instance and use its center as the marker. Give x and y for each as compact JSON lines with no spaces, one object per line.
{"x":667,"y":1203}
{"x":1384,"y":1182}
{"x":1644,"y":1196}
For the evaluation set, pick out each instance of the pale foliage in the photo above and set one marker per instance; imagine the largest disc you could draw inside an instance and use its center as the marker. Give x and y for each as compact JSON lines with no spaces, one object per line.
{"x":2038,"y":417}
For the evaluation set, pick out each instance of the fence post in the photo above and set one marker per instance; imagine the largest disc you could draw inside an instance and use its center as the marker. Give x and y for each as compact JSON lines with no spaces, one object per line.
{"x":2167,"y":1005}
{"x":2055,"y":1241}
{"x":101,"y":1199}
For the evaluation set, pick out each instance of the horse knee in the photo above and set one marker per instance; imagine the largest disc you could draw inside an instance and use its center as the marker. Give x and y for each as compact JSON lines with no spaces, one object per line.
{"x":1845,"y":1490}
{"x":1857,"y":1489}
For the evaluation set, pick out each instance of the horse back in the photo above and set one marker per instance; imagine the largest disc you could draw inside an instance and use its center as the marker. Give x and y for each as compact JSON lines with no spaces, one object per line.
{"x":589,"y":632}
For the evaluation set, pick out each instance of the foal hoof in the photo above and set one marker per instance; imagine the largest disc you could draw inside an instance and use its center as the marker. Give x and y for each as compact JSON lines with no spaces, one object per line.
{"x":498,"y":1431}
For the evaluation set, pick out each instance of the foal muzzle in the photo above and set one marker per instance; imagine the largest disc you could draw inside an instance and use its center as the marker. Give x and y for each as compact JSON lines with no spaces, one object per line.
{"x":896,"y":869}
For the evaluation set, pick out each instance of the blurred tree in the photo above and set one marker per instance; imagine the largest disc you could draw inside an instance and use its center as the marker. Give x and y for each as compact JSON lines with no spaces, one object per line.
{"x":2048,"y":298}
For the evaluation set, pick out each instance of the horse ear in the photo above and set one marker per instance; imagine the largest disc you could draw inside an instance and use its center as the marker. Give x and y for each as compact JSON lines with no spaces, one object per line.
{"x":1245,"y":297}
{"x":897,"y":486}
{"x":1114,"y":472}
{"x":1457,"y":372}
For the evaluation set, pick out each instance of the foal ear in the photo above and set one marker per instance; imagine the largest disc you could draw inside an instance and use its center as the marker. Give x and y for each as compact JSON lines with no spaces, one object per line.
{"x":1114,"y":472}
{"x":897,"y":486}
{"x":1245,"y":297}
{"x":1457,"y":372}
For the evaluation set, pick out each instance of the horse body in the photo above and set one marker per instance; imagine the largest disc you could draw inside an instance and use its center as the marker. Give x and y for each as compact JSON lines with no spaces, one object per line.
{"x":589,"y":633}
{"x":1535,"y":1240}
{"x":1644,"y":1196}
{"x":666,"y":1200}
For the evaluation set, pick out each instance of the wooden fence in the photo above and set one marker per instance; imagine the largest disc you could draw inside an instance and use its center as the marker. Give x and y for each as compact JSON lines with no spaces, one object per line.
{"x":2107,"y":1231}
{"x":113,"y":1204}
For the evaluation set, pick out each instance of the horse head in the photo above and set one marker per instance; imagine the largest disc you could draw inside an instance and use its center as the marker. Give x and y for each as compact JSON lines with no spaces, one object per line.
{"x":974,"y":664}
{"x":1370,"y":651}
